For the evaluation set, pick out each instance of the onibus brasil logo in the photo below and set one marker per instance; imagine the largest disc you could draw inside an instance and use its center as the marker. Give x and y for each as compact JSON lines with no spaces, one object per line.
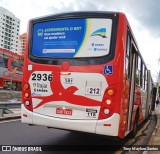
{"x":40,"y":32}
{"x":100,"y":32}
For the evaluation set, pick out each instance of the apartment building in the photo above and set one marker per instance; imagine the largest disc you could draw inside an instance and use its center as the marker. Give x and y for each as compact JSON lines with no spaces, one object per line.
{"x":22,"y":43}
{"x":9,"y":30}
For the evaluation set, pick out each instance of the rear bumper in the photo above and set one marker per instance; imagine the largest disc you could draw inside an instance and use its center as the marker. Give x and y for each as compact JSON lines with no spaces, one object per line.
{"x":91,"y":126}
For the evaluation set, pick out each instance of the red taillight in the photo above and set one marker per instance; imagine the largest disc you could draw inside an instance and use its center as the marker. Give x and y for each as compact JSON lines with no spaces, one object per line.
{"x":107,"y":125}
{"x":108,"y":104}
{"x":25,"y":115}
{"x":26,"y":96}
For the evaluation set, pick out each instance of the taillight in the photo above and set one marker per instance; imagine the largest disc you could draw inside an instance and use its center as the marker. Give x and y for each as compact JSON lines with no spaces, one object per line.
{"x":106,"y":111}
{"x":26,"y":96}
{"x":110,"y":92}
{"x":108,"y":104}
{"x":108,"y":101}
{"x":26,"y":86}
{"x":27,"y":103}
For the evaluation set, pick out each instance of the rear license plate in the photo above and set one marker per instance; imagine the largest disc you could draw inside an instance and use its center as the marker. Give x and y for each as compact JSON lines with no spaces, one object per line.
{"x":64,"y":111}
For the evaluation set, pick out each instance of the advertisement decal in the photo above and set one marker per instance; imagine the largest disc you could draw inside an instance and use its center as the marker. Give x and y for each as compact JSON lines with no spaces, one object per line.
{"x":72,"y":38}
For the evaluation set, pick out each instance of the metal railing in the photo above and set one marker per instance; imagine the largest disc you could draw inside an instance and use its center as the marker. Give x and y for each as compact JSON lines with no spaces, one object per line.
{"x":10,"y":105}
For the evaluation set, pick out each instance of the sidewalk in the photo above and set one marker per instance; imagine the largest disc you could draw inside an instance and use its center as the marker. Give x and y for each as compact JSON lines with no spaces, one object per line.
{"x":155,"y":139}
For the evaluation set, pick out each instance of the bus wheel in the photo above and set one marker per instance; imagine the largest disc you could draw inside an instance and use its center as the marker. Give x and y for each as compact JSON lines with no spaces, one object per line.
{"x":135,"y":127}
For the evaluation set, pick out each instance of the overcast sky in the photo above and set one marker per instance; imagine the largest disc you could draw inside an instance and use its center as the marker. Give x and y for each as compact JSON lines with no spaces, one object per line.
{"x":143,"y":16}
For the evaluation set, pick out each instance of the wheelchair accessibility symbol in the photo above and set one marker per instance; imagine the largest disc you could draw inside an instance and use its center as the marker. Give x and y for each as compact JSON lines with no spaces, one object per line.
{"x":108,"y":70}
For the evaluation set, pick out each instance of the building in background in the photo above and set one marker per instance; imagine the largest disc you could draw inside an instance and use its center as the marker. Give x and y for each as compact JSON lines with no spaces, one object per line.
{"x":22,"y":43}
{"x":10,"y":70}
{"x":9,"y":30}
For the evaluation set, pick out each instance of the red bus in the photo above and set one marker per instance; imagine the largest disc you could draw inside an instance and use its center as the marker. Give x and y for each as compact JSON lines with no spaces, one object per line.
{"x":83,"y":71}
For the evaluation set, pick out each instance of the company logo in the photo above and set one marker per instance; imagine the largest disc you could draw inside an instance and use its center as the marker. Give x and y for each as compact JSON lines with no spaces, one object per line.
{"x":40,"y":32}
{"x":100,"y":49}
{"x":6,"y":148}
{"x":9,"y":65}
{"x":100,"y":32}
{"x":97,"y":45}
{"x":38,"y":87}
{"x":35,"y":94}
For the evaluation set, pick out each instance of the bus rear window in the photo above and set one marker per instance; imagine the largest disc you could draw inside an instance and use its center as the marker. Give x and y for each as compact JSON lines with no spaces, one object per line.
{"x":72,"y":38}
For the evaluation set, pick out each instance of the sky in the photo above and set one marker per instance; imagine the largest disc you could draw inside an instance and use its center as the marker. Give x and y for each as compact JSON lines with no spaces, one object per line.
{"x":143,"y":16}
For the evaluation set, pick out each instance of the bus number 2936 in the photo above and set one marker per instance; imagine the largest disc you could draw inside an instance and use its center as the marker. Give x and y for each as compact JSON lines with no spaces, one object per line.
{"x":42,"y":77}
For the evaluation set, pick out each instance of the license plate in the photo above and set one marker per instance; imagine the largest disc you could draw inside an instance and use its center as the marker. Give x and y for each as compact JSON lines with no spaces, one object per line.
{"x":91,"y":113}
{"x":64,"y":111}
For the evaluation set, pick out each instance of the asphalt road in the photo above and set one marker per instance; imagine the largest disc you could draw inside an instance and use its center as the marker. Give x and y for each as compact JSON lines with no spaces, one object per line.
{"x":17,"y":133}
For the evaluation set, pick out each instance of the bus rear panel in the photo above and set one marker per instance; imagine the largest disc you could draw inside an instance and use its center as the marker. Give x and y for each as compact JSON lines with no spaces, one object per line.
{"x":74,"y":73}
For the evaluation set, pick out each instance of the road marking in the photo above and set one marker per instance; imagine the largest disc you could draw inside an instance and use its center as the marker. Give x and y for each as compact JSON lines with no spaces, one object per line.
{"x":140,"y":132}
{"x":9,"y":121}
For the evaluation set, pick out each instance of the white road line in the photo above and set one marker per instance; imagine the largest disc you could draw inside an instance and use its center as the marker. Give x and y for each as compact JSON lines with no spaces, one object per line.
{"x":9,"y":121}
